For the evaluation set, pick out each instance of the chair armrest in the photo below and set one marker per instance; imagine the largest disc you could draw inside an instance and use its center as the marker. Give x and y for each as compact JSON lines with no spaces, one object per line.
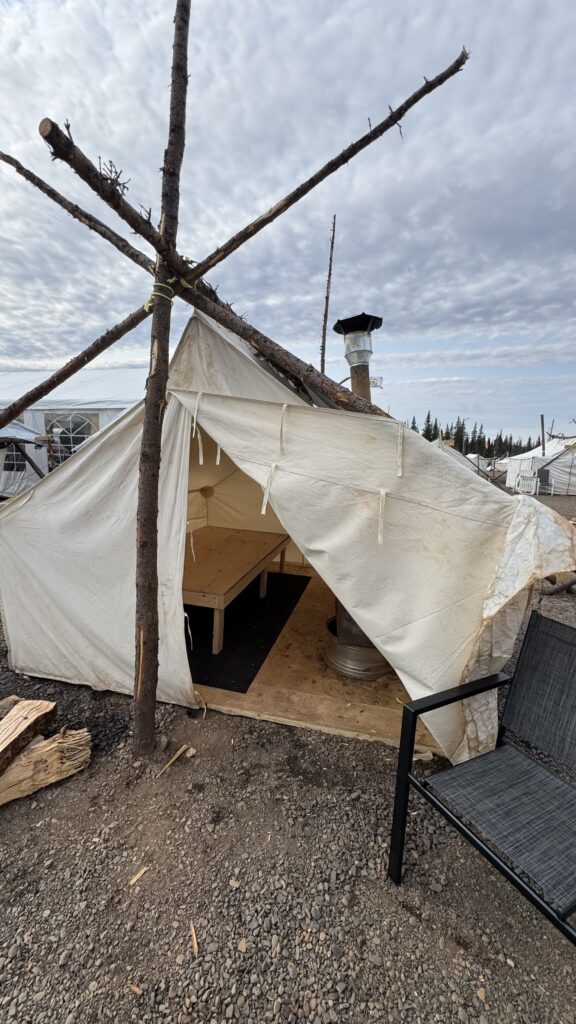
{"x":456,"y":693}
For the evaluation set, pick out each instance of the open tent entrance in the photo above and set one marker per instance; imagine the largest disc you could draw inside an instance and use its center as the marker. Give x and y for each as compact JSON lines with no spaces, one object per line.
{"x":256,"y":613}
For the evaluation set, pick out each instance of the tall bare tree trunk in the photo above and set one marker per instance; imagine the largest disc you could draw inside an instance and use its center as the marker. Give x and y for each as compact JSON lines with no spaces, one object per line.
{"x":327,"y":301}
{"x":146,"y":675}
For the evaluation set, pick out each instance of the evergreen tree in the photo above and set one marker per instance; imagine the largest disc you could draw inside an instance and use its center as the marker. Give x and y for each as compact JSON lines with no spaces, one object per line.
{"x":473,"y":445}
{"x":414,"y":425}
{"x":428,"y":429}
{"x":435,"y":430}
{"x":481,"y":441}
{"x":447,"y":434}
{"x":459,"y":435}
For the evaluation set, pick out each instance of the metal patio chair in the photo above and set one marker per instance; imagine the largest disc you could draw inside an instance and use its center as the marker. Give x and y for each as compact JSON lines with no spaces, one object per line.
{"x":519,"y":812}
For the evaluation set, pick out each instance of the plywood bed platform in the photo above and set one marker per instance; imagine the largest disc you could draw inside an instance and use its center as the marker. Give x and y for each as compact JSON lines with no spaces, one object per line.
{"x":295,"y":687}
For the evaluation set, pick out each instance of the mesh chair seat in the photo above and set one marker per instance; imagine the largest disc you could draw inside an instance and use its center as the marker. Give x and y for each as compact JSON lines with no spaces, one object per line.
{"x":528,"y":813}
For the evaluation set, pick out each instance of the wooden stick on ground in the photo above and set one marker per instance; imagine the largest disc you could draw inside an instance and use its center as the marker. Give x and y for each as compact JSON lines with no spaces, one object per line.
{"x":25,"y":720}
{"x":146,"y":679}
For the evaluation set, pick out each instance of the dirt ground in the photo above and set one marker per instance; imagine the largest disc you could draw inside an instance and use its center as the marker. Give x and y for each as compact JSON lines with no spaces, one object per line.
{"x":273,"y":842}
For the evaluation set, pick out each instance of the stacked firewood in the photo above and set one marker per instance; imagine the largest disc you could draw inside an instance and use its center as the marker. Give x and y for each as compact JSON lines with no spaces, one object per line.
{"x":28,"y":760}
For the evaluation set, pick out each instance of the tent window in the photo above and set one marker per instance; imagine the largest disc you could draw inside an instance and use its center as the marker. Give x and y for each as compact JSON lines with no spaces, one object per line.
{"x":68,"y":430}
{"x":14,"y":461}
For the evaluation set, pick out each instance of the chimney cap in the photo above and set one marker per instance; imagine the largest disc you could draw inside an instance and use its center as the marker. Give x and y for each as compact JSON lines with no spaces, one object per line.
{"x":364,"y":322}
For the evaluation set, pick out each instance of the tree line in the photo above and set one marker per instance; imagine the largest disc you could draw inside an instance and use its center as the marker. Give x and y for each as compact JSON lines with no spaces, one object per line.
{"x":475,"y":441}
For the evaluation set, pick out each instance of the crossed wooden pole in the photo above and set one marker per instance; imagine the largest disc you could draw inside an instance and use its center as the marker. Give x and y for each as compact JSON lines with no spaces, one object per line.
{"x":177,"y":277}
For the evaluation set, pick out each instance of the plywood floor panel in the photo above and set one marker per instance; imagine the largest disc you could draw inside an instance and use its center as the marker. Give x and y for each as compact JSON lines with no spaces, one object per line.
{"x":295,"y":687}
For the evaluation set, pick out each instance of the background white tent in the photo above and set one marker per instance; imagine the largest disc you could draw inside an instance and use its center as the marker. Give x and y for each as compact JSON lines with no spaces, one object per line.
{"x":15,"y":473}
{"x":556,"y":468}
{"x":75,"y":410}
{"x":98,"y":393}
{"x":433,"y":562}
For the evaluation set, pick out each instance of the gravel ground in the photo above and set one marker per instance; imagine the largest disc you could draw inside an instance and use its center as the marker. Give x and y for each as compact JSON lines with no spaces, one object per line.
{"x":273,"y":842}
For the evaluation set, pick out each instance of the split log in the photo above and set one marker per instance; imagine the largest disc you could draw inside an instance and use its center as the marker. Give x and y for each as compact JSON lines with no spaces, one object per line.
{"x":6,"y":705}
{"x":44,"y":762}
{"x":15,"y":409}
{"x":147,"y":634}
{"x":26,"y":719}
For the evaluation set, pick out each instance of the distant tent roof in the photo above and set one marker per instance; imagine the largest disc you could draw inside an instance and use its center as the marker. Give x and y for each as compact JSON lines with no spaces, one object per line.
{"x":114,"y":387}
{"x":16,"y":431}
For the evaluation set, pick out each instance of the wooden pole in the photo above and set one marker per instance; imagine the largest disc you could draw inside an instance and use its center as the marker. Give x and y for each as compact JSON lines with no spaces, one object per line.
{"x":146,"y":662}
{"x":27,"y":458}
{"x":203,"y":297}
{"x":15,"y":409}
{"x":109,"y":186}
{"x":327,"y":300}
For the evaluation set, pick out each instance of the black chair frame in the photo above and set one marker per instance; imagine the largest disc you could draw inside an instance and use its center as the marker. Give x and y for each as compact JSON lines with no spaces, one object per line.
{"x":406,"y":779}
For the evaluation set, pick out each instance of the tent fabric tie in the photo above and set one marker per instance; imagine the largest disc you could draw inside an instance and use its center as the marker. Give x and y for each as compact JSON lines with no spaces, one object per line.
{"x":267,"y":488}
{"x":192,"y":544}
{"x":381,"y":504}
{"x":195,"y":419}
{"x":399,"y":469}
{"x":189,"y":631}
{"x":200,"y":448}
{"x":282,"y":448}
{"x":218,"y":454}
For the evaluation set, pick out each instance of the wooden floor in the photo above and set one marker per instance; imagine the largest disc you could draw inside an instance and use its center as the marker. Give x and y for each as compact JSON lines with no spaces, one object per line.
{"x":295,"y":687}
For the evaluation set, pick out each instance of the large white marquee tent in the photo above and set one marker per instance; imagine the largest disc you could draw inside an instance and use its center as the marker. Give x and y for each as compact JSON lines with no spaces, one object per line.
{"x":556,"y":468}
{"x":434,"y":563}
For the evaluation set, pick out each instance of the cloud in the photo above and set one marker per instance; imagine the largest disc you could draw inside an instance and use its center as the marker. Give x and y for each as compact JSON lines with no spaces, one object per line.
{"x":460,"y":236}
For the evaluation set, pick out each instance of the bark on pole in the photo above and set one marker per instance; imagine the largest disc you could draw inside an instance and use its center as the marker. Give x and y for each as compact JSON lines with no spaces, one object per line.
{"x":327,"y":299}
{"x":203,"y":297}
{"x":146,"y":664}
{"x":111,"y":191}
{"x":15,"y":409}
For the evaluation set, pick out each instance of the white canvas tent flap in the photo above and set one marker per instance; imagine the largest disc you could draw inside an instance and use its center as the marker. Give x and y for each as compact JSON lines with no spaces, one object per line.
{"x":432,"y":562}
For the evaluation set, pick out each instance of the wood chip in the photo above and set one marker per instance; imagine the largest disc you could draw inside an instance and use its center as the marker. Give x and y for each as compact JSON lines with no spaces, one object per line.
{"x":193,"y":939}
{"x":173,"y":758}
{"x":136,"y":989}
{"x":139,"y":874}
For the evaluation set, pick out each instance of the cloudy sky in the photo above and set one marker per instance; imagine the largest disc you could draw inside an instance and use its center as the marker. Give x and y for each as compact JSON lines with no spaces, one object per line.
{"x":462,"y":236}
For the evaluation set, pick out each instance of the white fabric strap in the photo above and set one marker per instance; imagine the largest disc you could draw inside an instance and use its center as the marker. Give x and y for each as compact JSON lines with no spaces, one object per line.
{"x":200,"y":448}
{"x":267,"y":489}
{"x":189,"y":631}
{"x":218,"y":454}
{"x":192,"y":544}
{"x":399,"y":469}
{"x":381,"y":504}
{"x":282,"y":449}
{"x":198,"y":397}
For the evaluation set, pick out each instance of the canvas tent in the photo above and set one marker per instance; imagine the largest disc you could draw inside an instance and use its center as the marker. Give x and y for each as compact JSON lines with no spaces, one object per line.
{"x":432,"y":562}
{"x":556,"y":468}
